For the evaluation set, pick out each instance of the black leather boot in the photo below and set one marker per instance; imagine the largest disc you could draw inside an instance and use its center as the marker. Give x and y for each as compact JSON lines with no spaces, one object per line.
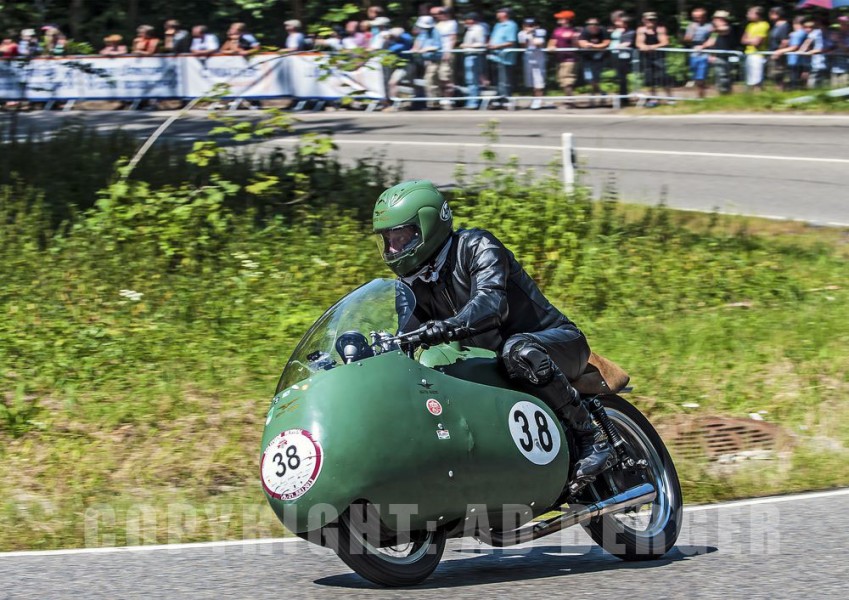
{"x":594,"y":454}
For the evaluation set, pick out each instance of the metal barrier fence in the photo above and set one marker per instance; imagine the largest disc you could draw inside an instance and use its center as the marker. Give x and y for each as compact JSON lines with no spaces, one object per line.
{"x":613,"y":77}
{"x":476,"y":79}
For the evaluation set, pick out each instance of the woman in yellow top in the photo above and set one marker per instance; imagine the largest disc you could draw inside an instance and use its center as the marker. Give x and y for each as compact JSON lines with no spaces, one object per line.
{"x":755,"y":38}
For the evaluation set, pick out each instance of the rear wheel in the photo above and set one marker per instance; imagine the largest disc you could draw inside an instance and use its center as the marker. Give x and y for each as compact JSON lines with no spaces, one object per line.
{"x":385,"y":557}
{"x":643,"y":532}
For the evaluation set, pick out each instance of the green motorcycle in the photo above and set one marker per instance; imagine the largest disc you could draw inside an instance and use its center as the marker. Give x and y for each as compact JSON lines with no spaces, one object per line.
{"x":381,"y":449}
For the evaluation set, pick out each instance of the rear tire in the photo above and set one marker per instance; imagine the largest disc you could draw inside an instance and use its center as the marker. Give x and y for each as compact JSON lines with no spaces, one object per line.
{"x":372,"y":553}
{"x":614,"y":532}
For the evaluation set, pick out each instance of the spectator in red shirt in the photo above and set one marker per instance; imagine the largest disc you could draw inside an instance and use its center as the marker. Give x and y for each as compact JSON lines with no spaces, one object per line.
{"x":8,"y":48}
{"x":145,"y":43}
{"x":565,"y":37}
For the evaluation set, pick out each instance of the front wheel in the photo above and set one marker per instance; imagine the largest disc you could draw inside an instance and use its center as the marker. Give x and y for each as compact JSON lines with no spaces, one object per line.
{"x":644,"y":532}
{"x":384,"y":557}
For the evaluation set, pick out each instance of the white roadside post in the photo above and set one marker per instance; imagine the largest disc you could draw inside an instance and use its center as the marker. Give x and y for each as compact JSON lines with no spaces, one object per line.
{"x":568,"y":164}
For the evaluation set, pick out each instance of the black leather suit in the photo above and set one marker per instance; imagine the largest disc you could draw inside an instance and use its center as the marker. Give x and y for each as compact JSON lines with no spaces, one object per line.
{"x":484,"y":291}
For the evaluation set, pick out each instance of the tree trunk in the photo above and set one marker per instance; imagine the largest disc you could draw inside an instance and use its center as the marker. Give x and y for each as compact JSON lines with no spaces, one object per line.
{"x":132,"y":14}
{"x":75,"y":18}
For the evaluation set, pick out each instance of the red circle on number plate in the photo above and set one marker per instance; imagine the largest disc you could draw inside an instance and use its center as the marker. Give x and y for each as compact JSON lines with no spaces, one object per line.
{"x":434,"y":407}
{"x":284,"y":486}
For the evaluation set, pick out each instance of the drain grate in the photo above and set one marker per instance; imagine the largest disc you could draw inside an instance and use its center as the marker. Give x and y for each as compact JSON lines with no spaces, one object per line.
{"x":714,"y":437}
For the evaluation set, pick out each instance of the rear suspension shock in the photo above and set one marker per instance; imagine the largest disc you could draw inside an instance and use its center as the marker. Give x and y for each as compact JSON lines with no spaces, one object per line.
{"x":609,"y":428}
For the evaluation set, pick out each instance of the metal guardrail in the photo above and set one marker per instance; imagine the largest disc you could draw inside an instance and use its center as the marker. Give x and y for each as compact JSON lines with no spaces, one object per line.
{"x":626,"y":75}
{"x":615,"y":77}
{"x":482,"y":79}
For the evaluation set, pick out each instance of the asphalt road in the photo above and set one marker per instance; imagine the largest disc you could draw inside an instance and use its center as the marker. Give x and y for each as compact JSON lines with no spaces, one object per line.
{"x":785,"y":547}
{"x":776,"y":167}
{"x":792,"y":167}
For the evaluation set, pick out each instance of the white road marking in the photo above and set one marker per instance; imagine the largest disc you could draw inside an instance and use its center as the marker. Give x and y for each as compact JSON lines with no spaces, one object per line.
{"x":767,"y":217}
{"x":149,"y":548}
{"x":718,"y":155}
{"x":263,"y":541}
{"x":769,"y":500}
{"x":551,"y":116}
{"x":734,"y":155}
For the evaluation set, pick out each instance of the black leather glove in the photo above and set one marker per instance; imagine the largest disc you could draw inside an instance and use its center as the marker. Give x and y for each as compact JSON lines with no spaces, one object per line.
{"x":437,"y":332}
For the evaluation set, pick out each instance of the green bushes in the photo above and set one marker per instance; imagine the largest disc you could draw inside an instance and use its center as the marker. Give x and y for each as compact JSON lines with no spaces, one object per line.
{"x":154,"y":282}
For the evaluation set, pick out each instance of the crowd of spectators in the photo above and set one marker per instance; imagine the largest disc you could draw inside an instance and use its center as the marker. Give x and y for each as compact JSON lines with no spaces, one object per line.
{"x":462,"y":58}
{"x":174,"y":39}
{"x":810,"y":52}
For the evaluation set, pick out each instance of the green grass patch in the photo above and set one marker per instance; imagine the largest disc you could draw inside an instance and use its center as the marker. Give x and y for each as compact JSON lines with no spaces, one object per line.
{"x":141,"y":337}
{"x":769,"y":100}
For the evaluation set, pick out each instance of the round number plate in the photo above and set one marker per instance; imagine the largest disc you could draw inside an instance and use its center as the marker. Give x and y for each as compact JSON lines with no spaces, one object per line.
{"x":534,"y":432}
{"x":291,"y":464}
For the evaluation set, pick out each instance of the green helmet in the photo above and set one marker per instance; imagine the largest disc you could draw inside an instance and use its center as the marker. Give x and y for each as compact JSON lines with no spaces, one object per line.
{"x":412,"y":221}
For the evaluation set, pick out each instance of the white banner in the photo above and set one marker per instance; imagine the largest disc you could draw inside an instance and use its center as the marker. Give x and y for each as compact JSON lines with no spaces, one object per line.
{"x":129,"y":78}
{"x":262,"y":76}
{"x":95,"y":78}
{"x":305,"y":75}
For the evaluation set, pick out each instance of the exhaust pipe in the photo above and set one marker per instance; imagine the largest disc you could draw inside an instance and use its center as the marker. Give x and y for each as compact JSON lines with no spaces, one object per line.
{"x":640,"y":494}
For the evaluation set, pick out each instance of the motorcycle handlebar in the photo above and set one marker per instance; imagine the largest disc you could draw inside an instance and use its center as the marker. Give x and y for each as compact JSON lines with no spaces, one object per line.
{"x":414,"y":337}
{"x":410,"y":337}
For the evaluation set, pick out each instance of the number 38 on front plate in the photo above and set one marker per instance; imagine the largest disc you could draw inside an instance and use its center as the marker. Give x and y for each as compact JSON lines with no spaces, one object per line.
{"x":291,"y":464}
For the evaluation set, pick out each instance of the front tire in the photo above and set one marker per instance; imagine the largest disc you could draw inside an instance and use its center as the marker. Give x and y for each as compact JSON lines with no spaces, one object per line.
{"x":384,"y":557}
{"x":650,"y":531}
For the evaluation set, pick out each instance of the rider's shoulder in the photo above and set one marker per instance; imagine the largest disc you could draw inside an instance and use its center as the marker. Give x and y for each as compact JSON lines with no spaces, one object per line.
{"x":477,"y":236}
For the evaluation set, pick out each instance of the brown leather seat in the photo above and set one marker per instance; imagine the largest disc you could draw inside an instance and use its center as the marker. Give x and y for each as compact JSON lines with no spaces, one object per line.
{"x":602,"y":376}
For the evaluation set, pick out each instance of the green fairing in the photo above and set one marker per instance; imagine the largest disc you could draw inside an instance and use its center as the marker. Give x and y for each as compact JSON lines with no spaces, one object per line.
{"x":383,"y":447}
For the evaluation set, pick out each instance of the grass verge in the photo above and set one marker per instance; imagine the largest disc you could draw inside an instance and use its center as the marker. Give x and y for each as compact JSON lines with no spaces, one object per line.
{"x":771,"y":101}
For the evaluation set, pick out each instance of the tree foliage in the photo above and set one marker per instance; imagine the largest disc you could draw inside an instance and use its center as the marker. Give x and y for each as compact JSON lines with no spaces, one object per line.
{"x":91,"y":20}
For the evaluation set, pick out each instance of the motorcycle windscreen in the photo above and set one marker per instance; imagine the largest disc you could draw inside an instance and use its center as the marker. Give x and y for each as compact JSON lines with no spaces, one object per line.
{"x":380,"y":305}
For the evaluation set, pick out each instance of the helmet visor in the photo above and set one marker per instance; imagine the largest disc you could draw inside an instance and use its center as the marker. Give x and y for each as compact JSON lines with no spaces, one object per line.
{"x":398,"y":241}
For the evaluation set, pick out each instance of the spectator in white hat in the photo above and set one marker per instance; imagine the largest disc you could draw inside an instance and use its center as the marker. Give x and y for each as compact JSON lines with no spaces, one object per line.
{"x":294,"y":38}
{"x":28,"y":44}
{"x":428,"y":46}
{"x":379,"y":33}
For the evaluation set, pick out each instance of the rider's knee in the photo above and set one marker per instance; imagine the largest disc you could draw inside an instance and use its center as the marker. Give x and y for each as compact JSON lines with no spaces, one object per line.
{"x":527,"y":360}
